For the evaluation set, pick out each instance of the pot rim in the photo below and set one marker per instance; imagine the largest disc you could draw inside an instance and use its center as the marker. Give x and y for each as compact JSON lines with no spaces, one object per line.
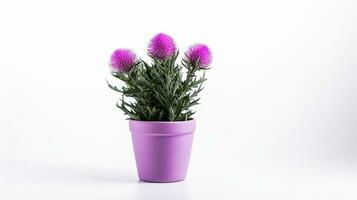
{"x":162,"y":128}
{"x":163,"y":122}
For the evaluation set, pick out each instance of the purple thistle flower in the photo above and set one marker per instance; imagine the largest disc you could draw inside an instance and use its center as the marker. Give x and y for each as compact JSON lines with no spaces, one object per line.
{"x":122,"y":60}
{"x":161,"y":46}
{"x":199,"y":54}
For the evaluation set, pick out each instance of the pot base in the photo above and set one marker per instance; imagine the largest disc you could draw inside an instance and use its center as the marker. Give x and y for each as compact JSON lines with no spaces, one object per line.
{"x":159,"y":181}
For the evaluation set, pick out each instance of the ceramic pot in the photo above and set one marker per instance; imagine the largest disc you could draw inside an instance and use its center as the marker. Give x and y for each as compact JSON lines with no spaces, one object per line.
{"x":162,"y":149}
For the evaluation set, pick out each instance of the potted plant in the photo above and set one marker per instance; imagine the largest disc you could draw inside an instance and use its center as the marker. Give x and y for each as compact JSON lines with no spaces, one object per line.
{"x":158,"y":97}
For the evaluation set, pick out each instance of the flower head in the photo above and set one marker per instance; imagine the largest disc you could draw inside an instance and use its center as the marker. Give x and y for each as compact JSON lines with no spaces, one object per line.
{"x":199,"y":54}
{"x":122,"y":60}
{"x":161,"y":46}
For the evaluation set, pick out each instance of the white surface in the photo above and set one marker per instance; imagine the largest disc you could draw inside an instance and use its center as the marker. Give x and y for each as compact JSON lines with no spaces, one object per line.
{"x":277,"y":119}
{"x":45,"y":181}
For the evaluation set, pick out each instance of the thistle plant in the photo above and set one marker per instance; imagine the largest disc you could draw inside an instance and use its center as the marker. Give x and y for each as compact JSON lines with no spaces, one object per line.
{"x":162,"y":90}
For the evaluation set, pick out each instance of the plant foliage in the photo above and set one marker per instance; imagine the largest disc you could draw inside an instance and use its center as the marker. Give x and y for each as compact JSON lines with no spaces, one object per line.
{"x":160,"y":91}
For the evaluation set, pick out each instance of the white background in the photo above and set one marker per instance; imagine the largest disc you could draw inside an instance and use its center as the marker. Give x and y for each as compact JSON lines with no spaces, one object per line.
{"x":277,"y":119}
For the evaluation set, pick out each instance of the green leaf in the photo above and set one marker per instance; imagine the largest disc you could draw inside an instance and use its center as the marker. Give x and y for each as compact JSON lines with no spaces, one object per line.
{"x":113,"y":87}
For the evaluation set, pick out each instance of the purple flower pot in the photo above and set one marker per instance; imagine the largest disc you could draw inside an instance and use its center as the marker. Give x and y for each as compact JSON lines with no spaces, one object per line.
{"x":162,"y":149}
